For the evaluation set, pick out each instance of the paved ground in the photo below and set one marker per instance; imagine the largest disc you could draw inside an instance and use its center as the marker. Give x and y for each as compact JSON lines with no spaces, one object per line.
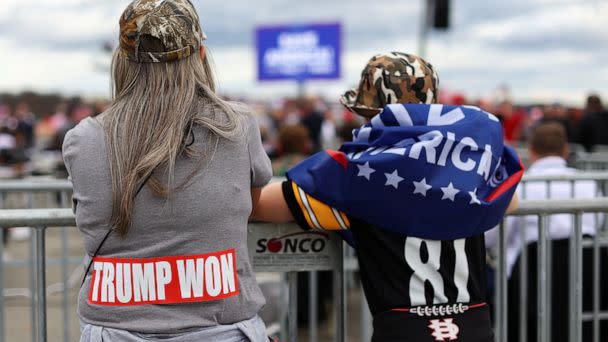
{"x":18,"y":314}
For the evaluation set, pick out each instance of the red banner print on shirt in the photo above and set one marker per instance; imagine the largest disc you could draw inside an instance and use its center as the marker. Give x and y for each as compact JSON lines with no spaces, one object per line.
{"x":165,"y":280}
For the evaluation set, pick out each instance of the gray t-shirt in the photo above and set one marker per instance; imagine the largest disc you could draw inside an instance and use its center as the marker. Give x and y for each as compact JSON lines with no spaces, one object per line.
{"x":208,"y":215}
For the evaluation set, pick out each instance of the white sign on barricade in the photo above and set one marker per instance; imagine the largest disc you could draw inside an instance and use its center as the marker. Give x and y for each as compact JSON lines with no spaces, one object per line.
{"x":285,"y":248}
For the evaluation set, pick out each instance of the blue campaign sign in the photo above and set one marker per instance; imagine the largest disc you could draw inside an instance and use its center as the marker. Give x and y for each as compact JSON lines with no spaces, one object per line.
{"x":298,"y":52}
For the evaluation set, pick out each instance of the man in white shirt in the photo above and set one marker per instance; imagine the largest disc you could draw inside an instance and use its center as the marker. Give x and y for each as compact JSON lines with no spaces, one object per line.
{"x":548,"y":151}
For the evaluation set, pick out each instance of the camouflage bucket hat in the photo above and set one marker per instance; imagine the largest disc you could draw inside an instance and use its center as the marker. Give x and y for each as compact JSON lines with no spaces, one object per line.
{"x":392,"y":78}
{"x":155,"y":31}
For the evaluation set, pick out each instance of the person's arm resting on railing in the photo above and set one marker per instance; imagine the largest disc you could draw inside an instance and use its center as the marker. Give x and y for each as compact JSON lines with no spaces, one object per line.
{"x":282,"y":201}
{"x":269,"y":204}
{"x":285,"y":202}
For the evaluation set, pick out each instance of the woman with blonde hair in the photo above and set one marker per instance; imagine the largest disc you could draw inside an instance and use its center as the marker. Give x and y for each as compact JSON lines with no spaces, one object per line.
{"x":163,"y":187}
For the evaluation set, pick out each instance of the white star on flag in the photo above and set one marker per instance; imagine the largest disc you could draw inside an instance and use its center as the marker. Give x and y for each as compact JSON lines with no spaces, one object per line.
{"x":393,"y":179}
{"x":474,"y":199}
{"x":421,"y":187}
{"x":449,"y":192}
{"x":365,"y":171}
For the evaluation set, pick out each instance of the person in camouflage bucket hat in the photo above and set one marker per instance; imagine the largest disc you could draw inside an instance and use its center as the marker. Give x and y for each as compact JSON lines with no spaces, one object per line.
{"x":153,"y":31}
{"x":420,"y":285}
{"x":395,"y":77}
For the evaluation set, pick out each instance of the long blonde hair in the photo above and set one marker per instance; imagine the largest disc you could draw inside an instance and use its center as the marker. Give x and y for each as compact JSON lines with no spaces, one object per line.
{"x":154,"y":107}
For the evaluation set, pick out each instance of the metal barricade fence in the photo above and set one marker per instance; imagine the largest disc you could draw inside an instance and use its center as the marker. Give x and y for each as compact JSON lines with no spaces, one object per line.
{"x":549,"y":186}
{"x":571,"y":182}
{"x":57,"y":193}
{"x":600,"y":179}
{"x":41,"y":219}
{"x":597,"y":161}
{"x":62,"y":188}
{"x":542,"y":210}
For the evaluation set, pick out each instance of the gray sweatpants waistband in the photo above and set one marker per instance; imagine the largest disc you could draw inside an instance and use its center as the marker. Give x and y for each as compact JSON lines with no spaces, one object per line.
{"x":251,"y":330}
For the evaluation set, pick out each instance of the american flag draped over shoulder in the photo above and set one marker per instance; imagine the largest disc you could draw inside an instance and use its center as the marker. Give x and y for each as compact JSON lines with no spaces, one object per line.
{"x":430,"y":171}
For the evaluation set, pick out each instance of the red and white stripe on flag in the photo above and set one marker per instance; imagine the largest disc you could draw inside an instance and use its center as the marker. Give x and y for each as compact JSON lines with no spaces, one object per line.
{"x":164,"y":280}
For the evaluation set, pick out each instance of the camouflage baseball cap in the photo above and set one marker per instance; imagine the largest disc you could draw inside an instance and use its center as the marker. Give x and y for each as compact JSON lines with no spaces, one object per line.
{"x":154,"y":31}
{"x":392,"y":78}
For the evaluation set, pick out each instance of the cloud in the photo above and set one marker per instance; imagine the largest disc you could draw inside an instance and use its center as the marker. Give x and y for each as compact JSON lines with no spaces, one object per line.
{"x":539,"y":47}
{"x":51,"y":71}
{"x":365,"y":24}
{"x":574,"y":27}
{"x":63,"y":25}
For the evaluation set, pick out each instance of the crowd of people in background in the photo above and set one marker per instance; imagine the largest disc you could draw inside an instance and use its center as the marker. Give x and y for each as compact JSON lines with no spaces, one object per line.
{"x":26,"y":134}
{"x":291,"y":128}
{"x":284,"y":124}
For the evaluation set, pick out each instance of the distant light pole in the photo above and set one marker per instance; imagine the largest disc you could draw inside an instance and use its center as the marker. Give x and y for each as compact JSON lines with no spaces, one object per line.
{"x":435,"y":15}
{"x":428,"y":7}
{"x":103,"y":66}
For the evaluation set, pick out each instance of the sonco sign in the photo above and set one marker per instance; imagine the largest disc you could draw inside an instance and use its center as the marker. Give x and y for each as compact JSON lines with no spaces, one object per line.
{"x":283,"y":248}
{"x":303,"y":242}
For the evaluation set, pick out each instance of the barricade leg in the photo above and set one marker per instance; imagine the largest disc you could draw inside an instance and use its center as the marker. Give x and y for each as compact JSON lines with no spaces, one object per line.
{"x":366,"y":319}
{"x":32,"y":271}
{"x":576,"y":275}
{"x":292,"y":317}
{"x":284,"y":309}
{"x":601,"y":191}
{"x":66,"y":287}
{"x":523,"y":288}
{"x":40,"y":284}
{"x":496,"y":308}
{"x":541,"y":318}
{"x":596,"y":288}
{"x":2,"y":331}
{"x":339,"y":297}
{"x":579,"y":276}
{"x":548,"y":292}
{"x":64,"y":273}
{"x":312,"y":306}
{"x":571,"y":285}
{"x":501,"y":286}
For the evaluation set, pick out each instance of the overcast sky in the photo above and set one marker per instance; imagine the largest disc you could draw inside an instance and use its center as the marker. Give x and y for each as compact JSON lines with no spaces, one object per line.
{"x":547,"y":50}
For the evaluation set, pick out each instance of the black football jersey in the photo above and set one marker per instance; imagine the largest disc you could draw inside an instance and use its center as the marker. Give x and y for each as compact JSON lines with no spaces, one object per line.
{"x":439,"y":285}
